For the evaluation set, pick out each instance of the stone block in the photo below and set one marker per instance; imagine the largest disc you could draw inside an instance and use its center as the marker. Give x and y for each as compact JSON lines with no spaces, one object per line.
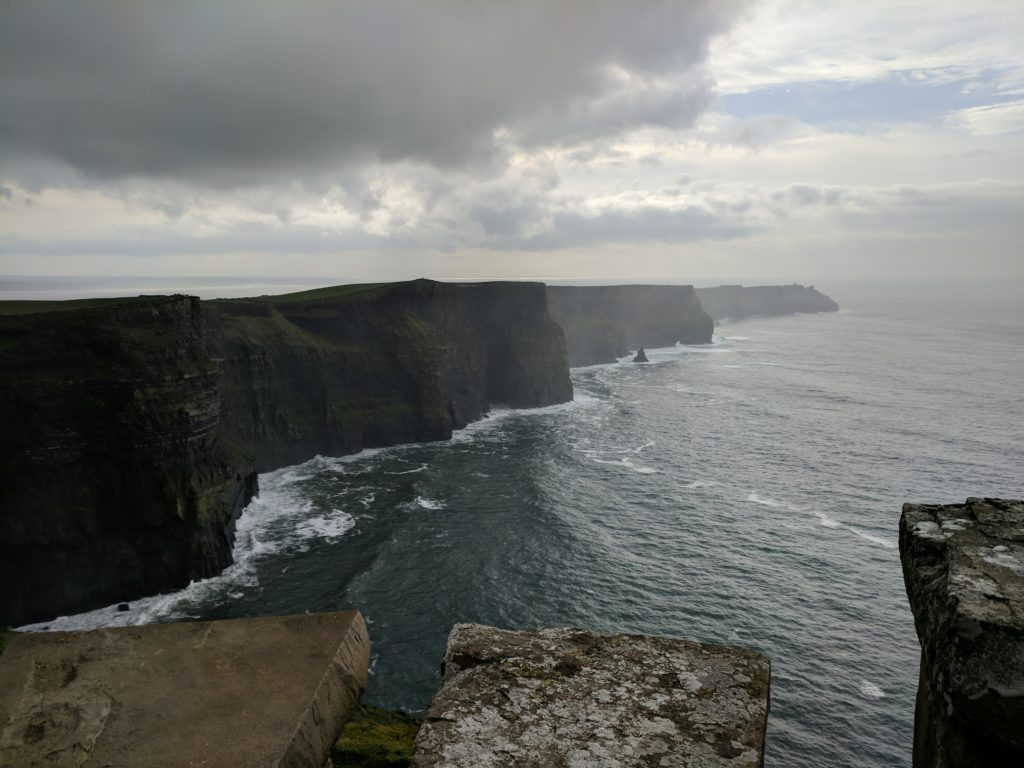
{"x":246,"y":692}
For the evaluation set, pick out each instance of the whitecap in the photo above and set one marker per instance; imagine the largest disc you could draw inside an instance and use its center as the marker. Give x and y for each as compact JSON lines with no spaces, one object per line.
{"x":425,"y":503}
{"x":420,"y":468}
{"x":628,"y":464}
{"x":326,"y":527}
{"x":701,"y":484}
{"x":827,"y":521}
{"x":871,"y":690}
{"x":762,"y":500}
{"x":887,"y":543}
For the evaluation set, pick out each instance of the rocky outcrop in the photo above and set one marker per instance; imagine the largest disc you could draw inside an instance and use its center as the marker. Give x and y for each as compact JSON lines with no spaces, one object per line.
{"x":117,"y":481}
{"x":602,"y":323}
{"x":963,"y":565}
{"x":244,"y":692}
{"x":641,"y":356}
{"x":132,"y":429}
{"x":576,"y":697}
{"x":736,"y":301}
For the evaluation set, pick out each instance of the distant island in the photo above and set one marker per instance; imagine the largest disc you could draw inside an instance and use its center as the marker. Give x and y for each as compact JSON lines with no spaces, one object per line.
{"x":134,"y":428}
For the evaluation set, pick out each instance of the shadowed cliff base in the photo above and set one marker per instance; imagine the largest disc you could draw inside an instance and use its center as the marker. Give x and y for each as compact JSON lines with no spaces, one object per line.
{"x":155,"y":413}
{"x":736,"y":301}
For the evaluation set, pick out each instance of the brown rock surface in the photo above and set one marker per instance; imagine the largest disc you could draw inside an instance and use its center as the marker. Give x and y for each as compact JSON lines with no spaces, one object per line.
{"x":573,"y":698}
{"x":247,"y":692}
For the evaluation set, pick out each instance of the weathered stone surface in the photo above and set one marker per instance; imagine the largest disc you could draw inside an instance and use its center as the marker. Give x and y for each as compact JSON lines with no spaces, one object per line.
{"x":247,"y":692}
{"x":575,"y":698}
{"x":963,"y":565}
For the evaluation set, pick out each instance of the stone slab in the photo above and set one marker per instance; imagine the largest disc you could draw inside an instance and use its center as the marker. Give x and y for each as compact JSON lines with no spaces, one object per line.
{"x":246,"y":692}
{"x":573,"y":698}
{"x":963,"y":565}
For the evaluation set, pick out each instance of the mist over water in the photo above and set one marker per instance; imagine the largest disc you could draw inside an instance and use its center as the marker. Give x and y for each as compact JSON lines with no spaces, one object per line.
{"x":744,"y":492}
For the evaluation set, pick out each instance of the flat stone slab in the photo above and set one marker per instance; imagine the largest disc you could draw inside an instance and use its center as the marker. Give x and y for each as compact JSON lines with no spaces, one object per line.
{"x":246,"y":692}
{"x":963,"y":565}
{"x":573,"y":698}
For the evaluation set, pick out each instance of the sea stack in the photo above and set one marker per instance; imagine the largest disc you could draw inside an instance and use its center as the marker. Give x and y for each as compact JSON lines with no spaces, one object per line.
{"x":641,"y":356}
{"x":963,"y":565}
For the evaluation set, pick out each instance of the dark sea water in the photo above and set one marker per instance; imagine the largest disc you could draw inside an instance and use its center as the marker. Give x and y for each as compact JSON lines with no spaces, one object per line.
{"x":743,"y":492}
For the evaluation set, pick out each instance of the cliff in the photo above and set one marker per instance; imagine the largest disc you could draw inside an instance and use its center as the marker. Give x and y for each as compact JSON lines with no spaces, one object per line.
{"x":116,"y":479}
{"x":603,"y":323}
{"x":735,"y":301}
{"x":132,"y":429}
{"x":336,"y":370}
{"x":963,"y":565}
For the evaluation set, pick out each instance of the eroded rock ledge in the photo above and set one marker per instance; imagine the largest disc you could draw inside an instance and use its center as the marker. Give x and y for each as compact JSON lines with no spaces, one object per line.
{"x":963,"y":565}
{"x":572,"y":697}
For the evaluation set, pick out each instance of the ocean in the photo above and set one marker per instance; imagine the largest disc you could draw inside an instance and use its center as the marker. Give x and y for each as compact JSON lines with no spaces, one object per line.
{"x":744,"y":492}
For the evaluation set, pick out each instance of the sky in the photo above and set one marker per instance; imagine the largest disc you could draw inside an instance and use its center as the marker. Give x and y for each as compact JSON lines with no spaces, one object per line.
{"x":769,"y":140}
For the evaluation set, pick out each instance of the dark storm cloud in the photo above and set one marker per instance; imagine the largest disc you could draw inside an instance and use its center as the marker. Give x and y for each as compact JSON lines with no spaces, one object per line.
{"x":236,"y":93}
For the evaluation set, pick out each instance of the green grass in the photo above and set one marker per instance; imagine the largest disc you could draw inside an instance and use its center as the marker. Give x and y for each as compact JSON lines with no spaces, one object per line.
{"x":376,"y":738}
{"x":331,"y":292}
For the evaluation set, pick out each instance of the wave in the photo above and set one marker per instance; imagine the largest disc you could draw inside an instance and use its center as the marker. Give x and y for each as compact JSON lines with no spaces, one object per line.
{"x":702,"y":484}
{"x":870,"y":690}
{"x":627,"y":463}
{"x":825,"y":520}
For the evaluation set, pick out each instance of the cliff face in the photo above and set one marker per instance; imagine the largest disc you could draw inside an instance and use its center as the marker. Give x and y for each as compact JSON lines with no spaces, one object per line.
{"x":735,"y":301}
{"x":132,"y":430}
{"x":116,"y":482}
{"x":963,"y":565}
{"x":603,"y":323}
{"x":336,"y":371}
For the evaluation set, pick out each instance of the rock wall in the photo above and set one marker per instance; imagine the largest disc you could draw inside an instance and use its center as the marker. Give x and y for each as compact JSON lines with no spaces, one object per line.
{"x":116,"y":480}
{"x":963,"y":565}
{"x":603,"y":323}
{"x":132,"y":429}
{"x":735,"y":301}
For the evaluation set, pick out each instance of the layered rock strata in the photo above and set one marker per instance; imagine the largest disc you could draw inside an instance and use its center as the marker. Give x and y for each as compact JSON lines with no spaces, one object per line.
{"x":604,"y":323}
{"x":736,"y":301}
{"x":245,"y":692}
{"x":117,"y":480}
{"x":576,"y":697}
{"x":132,"y":429}
{"x":963,"y":565}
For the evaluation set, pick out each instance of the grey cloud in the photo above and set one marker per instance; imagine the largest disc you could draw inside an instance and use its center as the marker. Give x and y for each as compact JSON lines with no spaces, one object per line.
{"x":228,"y":94}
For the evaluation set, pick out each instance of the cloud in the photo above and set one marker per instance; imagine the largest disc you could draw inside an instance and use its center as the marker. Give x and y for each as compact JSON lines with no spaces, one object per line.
{"x":228,"y":95}
{"x":991,"y":119}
